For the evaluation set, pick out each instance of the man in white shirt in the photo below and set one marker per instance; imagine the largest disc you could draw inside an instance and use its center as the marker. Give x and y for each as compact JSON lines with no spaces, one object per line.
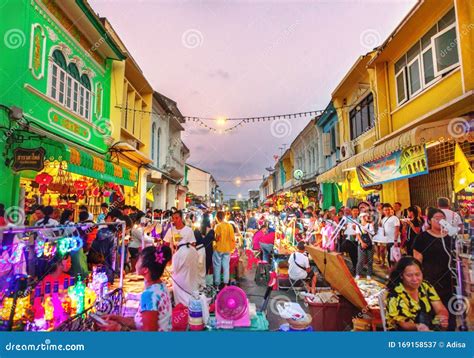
{"x":453,"y":218}
{"x":391,"y":230}
{"x":299,"y":268}
{"x":185,"y":261}
{"x":351,"y":230}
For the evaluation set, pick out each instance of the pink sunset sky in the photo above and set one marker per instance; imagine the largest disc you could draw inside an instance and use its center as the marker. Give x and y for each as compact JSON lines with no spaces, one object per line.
{"x":247,"y":59}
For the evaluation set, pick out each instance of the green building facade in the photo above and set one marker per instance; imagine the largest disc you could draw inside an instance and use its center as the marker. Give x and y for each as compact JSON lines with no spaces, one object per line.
{"x":55,"y":79}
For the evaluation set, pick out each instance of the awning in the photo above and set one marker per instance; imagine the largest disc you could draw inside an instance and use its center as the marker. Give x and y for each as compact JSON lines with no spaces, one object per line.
{"x":83,"y":163}
{"x":423,"y":134}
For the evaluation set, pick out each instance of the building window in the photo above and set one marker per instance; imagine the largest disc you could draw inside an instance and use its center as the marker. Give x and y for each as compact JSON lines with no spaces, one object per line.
{"x":158,"y":140}
{"x":69,"y":88}
{"x":432,"y":56}
{"x":361,"y":117}
{"x":153,"y":130}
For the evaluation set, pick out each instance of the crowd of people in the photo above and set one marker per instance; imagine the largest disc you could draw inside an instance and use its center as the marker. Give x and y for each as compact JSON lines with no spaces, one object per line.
{"x":412,"y":248}
{"x":409,"y":245}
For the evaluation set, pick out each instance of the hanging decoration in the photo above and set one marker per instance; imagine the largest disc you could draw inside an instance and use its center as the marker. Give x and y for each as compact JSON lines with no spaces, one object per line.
{"x":48,"y":249}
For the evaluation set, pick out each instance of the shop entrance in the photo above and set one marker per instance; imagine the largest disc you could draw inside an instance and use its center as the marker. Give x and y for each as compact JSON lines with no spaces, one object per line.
{"x":425,"y":189}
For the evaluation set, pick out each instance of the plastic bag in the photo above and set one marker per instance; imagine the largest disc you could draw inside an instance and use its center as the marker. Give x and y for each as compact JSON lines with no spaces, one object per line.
{"x":291,"y":310}
{"x":395,"y":254}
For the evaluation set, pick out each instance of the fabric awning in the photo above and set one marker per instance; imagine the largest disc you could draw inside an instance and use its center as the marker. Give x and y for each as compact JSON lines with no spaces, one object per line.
{"x":423,"y":134}
{"x":83,"y":163}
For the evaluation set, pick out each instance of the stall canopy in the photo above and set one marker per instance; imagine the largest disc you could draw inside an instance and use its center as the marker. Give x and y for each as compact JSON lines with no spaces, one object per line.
{"x":83,"y":163}
{"x":423,"y":134}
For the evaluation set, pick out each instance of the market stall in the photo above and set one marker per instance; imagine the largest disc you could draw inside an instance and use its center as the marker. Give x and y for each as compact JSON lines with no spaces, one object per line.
{"x":358,"y":301}
{"x":36,"y":295}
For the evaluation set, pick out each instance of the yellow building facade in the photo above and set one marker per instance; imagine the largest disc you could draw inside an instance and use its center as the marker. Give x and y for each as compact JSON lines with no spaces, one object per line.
{"x":130,"y":113}
{"x":424,"y":81}
{"x":418,"y":89}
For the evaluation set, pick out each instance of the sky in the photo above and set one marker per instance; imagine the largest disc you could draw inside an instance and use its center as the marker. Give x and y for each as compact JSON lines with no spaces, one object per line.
{"x":246,"y":59}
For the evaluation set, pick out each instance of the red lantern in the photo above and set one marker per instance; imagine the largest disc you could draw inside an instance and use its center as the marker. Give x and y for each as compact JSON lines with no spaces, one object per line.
{"x":43,"y":179}
{"x":43,"y":188}
{"x":80,"y":185}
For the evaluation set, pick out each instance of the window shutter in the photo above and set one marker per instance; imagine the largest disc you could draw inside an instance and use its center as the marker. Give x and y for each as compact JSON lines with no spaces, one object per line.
{"x":326,"y":144}
{"x":337,"y":133}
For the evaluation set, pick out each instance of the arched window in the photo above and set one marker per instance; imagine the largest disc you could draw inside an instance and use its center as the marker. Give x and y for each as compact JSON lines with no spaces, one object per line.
{"x":85,"y":98}
{"x":153,"y":130}
{"x":59,"y":59}
{"x":58,"y":76}
{"x":68,"y":87}
{"x":158,"y":139}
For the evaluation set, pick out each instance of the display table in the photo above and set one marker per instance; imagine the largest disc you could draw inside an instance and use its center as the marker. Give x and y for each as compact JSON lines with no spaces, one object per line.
{"x":333,"y":268}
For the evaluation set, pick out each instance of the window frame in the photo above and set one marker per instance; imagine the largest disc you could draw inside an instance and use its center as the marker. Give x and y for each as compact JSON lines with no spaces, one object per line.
{"x":435,"y":62}
{"x":403,"y":72}
{"x":76,"y":97}
{"x":435,"y":78}
{"x":408,"y":77}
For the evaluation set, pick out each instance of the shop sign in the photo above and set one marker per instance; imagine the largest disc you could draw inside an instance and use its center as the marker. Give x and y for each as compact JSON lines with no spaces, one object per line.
{"x":402,"y":164}
{"x":28,"y":159}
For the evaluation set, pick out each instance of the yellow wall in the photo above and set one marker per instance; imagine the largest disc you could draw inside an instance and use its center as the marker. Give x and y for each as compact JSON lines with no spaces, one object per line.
{"x":393,"y":117}
{"x":118,"y":75}
{"x":465,"y":18}
{"x":435,"y":96}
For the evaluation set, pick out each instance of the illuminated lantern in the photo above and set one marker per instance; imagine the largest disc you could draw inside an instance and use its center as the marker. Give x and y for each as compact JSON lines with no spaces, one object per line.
{"x":39,"y":248}
{"x":43,"y":179}
{"x":80,"y":185}
{"x":22,"y":304}
{"x":49,"y":249}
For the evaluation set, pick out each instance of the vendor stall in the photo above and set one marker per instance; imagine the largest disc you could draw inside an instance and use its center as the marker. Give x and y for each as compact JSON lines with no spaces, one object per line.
{"x":37,"y":291}
{"x":360,"y":298}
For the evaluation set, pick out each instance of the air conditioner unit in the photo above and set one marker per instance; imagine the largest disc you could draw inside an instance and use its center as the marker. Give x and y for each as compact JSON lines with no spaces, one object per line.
{"x":347,"y":150}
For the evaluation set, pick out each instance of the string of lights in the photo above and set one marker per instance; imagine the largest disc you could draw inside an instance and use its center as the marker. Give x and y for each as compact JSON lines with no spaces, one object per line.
{"x":221,"y":121}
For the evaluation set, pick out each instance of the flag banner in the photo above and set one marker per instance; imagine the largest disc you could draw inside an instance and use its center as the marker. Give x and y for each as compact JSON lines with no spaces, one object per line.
{"x":402,"y":164}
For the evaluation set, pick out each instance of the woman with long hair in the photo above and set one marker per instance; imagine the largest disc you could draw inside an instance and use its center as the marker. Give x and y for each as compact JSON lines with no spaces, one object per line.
{"x":433,"y":248}
{"x":154,"y":313}
{"x":412,"y":227}
{"x":412,"y":303}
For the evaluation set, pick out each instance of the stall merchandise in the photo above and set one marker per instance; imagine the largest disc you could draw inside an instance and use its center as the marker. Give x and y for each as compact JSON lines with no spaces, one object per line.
{"x":41,"y":301}
{"x":361,"y":294}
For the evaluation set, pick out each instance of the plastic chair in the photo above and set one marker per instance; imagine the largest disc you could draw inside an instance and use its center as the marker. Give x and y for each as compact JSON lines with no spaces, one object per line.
{"x":251,"y":259}
{"x":297,"y":286}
